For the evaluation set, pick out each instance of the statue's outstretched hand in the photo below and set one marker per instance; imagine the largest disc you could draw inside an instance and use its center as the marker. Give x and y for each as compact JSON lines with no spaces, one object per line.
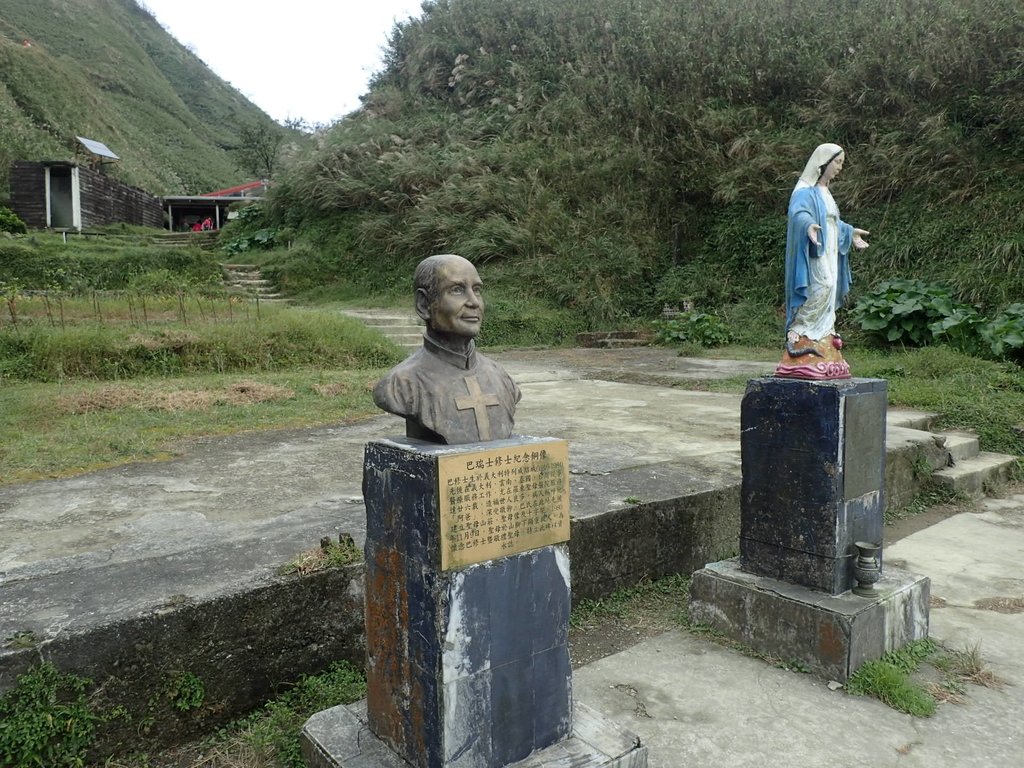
{"x":858,"y":238}
{"x":812,"y":234}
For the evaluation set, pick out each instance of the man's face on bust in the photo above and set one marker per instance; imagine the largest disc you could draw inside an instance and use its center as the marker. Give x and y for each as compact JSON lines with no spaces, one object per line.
{"x":458,"y":307}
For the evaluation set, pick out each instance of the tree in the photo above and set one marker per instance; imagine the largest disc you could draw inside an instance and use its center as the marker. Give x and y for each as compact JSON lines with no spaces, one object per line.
{"x":258,"y":146}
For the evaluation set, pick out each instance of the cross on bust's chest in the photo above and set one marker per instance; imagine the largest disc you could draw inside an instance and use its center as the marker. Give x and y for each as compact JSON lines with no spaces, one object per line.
{"x":477,"y":401}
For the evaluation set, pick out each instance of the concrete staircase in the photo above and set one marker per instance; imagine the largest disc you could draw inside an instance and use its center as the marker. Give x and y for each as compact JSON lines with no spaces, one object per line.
{"x":951,"y":459}
{"x":247,"y":280}
{"x":403,"y":328}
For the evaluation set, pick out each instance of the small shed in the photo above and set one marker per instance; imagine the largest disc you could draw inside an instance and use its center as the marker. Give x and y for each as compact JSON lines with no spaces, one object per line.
{"x":65,"y":194}
{"x":183,"y":211}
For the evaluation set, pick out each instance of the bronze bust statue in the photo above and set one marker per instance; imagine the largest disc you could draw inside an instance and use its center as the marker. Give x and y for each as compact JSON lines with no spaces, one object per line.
{"x":447,"y":391}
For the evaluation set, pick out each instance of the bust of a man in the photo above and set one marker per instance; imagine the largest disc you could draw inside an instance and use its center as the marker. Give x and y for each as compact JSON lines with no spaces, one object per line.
{"x":447,"y":391}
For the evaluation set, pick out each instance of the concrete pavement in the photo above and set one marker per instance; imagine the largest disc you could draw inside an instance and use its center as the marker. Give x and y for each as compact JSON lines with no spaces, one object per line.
{"x":696,"y":703}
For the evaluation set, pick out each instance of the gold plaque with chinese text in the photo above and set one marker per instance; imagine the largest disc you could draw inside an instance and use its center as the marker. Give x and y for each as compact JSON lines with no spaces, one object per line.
{"x":503,"y":501}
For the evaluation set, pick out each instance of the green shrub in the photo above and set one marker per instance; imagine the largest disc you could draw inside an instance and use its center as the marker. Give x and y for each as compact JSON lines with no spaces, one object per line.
{"x":1004,"y":334}
{"x":46,"y":720}
{"x":10,"y":222}
{"x":696,"y":327}
{"x":299,"y":269}
{"x":905,"y":311}
{"x":961,"y":329}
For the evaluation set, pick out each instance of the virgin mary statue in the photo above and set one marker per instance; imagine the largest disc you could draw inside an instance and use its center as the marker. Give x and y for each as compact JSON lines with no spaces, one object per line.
{"x":817,"y":271}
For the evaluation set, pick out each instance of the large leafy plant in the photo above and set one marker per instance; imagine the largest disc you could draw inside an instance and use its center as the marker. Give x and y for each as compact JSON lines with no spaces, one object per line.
{"x":910,"y":312}
{"x":1005,"y":333}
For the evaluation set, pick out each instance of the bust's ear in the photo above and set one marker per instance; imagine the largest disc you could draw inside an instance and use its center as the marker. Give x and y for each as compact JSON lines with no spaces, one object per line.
{"x":423,"y":305}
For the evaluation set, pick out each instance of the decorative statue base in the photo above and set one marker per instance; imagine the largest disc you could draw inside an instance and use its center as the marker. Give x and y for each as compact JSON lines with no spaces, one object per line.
{"x":817,"y":360}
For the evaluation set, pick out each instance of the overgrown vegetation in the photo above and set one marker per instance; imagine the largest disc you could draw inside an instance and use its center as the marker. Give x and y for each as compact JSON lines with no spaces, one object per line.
{"x":669,"y":592}
{"x":696,"y":327}
{"x":611,"y":156}
{"x":47,"y":720}
{"x":120,"y":259}
{"x":10,"y":222}
{"x":888,"y":679}
{"x":129,"y":336}
{"x":52,"y":720}
{"x":892,"y":678}
{"x":330,"y":554}
{"x":269,"y":736}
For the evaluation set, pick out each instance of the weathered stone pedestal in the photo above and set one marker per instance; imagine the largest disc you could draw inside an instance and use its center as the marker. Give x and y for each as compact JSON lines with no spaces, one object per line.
{"x":813,"y":455}
{"x":467,"y":615}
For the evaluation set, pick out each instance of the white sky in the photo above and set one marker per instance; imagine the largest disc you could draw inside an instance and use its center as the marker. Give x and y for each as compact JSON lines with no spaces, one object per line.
{"x":308,"y":59}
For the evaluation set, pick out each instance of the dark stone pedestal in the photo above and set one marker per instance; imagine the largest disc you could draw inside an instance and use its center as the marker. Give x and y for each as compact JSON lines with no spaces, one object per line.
{"x":467,"y":617}
{"x":813,"y":455}
{"x":829,"y":634}
{"x":466,"y":667}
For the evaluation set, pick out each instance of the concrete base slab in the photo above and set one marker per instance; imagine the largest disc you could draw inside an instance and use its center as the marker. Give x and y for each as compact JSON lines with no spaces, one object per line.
{"x":829,"y":634}
{"x":340,"y":738}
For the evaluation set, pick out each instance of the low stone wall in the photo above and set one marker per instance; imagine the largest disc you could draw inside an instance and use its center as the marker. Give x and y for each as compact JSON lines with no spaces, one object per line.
{"x":242,"y":648}
{"x":248,"y":644}
{"x":653,"y":540}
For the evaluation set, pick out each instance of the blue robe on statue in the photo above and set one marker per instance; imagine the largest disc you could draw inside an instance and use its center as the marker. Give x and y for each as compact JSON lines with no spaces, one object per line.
{"x":807,"y":206}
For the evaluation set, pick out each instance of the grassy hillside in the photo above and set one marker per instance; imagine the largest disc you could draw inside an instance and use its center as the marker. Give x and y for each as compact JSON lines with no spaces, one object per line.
{"x":609,"y":156}
{"x":105,"y":69}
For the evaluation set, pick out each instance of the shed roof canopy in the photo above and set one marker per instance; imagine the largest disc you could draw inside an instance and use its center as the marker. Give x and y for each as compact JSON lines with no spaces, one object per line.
{"x":97,"y":148}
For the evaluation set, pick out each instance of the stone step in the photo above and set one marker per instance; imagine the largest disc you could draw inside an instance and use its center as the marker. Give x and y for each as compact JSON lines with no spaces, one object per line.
{"x":960,"y":446}
{"x":384,"y":318}
{"x":403,"y":328}
{"x":414,"y":339}
{"x":609,"y":343}
{"x":973,"y":476}
{"x":247,"y":279}
{"x":910,"y":418}
{"x":607,"y":339}
{"x":396,"y":327}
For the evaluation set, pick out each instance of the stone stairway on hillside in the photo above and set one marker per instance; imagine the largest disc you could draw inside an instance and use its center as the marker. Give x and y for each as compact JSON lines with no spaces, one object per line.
{"x":403,"y":328}
{"x":951,"y":459}
{"x":206,"y":240}
{"x":247,"y":280}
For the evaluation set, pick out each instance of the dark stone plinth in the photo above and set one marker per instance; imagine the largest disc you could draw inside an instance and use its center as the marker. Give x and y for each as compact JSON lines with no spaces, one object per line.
{"x":340,"y":738}
{"x":466,"y":667}
{"x":830,"y":634}
{"x":813,"y":456}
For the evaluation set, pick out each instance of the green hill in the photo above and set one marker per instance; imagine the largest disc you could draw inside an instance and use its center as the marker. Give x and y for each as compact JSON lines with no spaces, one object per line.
{"x":610,"y":156}
{"x":107,"y":70}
